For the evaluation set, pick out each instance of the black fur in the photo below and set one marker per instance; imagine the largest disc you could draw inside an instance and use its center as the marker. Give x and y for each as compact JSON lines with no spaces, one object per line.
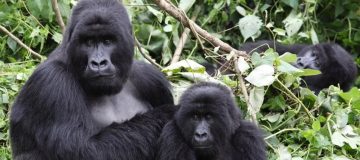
{"x":229,"y":136}
{"x":51,"y":118}
{"x":335,"y":63}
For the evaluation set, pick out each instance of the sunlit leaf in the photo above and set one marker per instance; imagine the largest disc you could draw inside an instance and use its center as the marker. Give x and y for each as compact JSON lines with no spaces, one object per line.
{"x":261,"y":76}
{"x":249,"y":26}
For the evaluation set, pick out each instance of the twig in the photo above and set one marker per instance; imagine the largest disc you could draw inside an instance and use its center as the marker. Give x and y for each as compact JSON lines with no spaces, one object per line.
{"x":59,"y":19}
{"x":244,"y":92}
{"x":296,"y":99}
{"x":183,"y":39}
{"x":180,"y":15}
{"x":284,"y":130}
{"x":147,"y":57}
{"x":7,"y":32}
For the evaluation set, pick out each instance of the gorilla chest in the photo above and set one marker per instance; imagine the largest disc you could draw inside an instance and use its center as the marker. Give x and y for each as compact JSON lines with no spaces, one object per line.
{"x":117,"y":108}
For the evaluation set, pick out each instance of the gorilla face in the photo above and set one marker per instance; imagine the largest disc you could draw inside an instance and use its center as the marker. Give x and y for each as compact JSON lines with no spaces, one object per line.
{"x":311,"y":57}
{"x":204,"y":126}
{"x":207,"y":117}
{"x":101,"y":51}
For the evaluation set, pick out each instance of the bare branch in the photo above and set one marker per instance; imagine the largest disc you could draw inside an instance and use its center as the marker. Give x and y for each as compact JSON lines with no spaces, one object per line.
{"x":7,"y":32}
{"x":147,"y":57}
{"x":59,"y":19}
{"x":183,"y":39}
{"x":180,"y":15}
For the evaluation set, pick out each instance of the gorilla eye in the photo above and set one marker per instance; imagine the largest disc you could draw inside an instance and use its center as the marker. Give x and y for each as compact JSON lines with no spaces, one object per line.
{"x":195,"y":117}
{"x":208,"y":116}
{"x":107,"y":41}
{"x":89,"y":42}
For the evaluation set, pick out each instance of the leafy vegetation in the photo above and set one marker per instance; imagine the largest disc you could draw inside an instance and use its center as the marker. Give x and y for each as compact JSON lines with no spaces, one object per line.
{"x":298,"y":124}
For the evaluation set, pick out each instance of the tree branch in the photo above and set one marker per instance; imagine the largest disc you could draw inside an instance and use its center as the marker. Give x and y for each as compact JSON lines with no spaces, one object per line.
{"x":7,"y":32}
{"x":180,"y":16}
{"x":59,"y":19}
{"x":183,"y":39}
{"x":147,"y":57}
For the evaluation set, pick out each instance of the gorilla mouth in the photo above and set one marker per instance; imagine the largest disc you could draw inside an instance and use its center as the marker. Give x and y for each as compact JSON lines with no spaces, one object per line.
{"x":101,"y":76}
{"x":202,"y":146}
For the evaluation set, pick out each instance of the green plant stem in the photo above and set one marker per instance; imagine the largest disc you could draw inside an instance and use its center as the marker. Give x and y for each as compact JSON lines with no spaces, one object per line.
{"x":281,"y":131}
{"x":295,"y":98}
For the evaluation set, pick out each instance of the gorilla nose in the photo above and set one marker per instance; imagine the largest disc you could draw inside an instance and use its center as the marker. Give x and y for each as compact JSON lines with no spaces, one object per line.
{"x":98,"y":64}
{"x":201,"y":136}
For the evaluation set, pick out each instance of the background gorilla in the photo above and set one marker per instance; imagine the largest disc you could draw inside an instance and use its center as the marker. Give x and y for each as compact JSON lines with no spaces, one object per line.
{"x":77,"y":103}
{"x":208,"y":126}
{"x":334,"y":62}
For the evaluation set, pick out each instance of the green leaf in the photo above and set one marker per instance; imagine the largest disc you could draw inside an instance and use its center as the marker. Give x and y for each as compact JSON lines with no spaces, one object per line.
{"x":5,"y":98}
{"x":308,"y":72}
{"x":314,"y":37}
{"x":242,"y":65}
{"x":156,"y":13}
{"x":337,"y":139}
{"x":352,"y":95}
{"x":256,"y":99}
{"x":241,"y":10}
{"x":316,"y":125}
{"x":57,"y":37}
{"x":283,"y":153}
{"x":308,"y":134}
{"x":199,"y":77}
{"x":279,"y":31}
{"x":185,"y":5}
{"x":11,"y":43}
{"x":288,"y":57}
{"x":292,"y":3}
{"x":293,"y":25}
{"x":188,"y":65}
{"x":272,"y":117}
{"x":261,"y":76}
{"x":249,"y":26}
{"x":168,"y":28}
{"x":341,"y":118}
{"x":288,"y":68}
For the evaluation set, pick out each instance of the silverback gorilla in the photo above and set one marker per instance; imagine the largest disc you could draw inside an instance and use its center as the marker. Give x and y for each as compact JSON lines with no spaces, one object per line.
{"x":90,"y":100}
{"x":208,"y":126}
{"x":334,"y":62}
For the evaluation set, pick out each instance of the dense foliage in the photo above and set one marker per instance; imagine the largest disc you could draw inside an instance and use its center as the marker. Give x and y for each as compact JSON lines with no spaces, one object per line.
{"x":298,"y":124}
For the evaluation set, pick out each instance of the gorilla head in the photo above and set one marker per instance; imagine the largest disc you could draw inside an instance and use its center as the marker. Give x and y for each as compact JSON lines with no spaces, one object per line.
{"x":100,"y":45}
{"x":207,"y":117}
{"x":335,"y":63}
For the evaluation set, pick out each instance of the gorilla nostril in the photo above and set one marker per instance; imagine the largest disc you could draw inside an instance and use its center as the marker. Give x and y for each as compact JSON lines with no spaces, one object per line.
{"x":103,"y":63}
{"x":201,"y":135}
{"x":94,"y":64}
{"x":300,"y":64}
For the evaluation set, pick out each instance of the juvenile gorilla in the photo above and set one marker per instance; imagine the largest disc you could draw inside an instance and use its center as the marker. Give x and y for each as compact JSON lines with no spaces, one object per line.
{"x":89,"y":100}
{"x":208,"y":126}
{"x":334,"y":62}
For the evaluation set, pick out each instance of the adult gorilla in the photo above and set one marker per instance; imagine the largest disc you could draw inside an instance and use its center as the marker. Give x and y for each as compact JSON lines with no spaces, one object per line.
{"x":84,"y":102}
{"x":208,"y":126}
{"x":335,"y":63}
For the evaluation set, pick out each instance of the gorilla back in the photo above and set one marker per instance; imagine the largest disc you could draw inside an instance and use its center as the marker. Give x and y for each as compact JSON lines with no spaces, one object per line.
{"x":208,"y":126}
{"x":89,"y":100}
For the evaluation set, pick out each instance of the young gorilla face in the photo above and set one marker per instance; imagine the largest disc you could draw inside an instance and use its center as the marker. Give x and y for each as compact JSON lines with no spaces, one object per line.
{"x":205,"y":118}
{"x":101,"y":54}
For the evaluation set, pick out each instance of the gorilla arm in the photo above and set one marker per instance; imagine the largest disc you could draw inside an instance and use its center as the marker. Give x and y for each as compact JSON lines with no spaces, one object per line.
{"x":151,"y":84}
{"x":172,"y":146}
{"x":50,"y":120}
